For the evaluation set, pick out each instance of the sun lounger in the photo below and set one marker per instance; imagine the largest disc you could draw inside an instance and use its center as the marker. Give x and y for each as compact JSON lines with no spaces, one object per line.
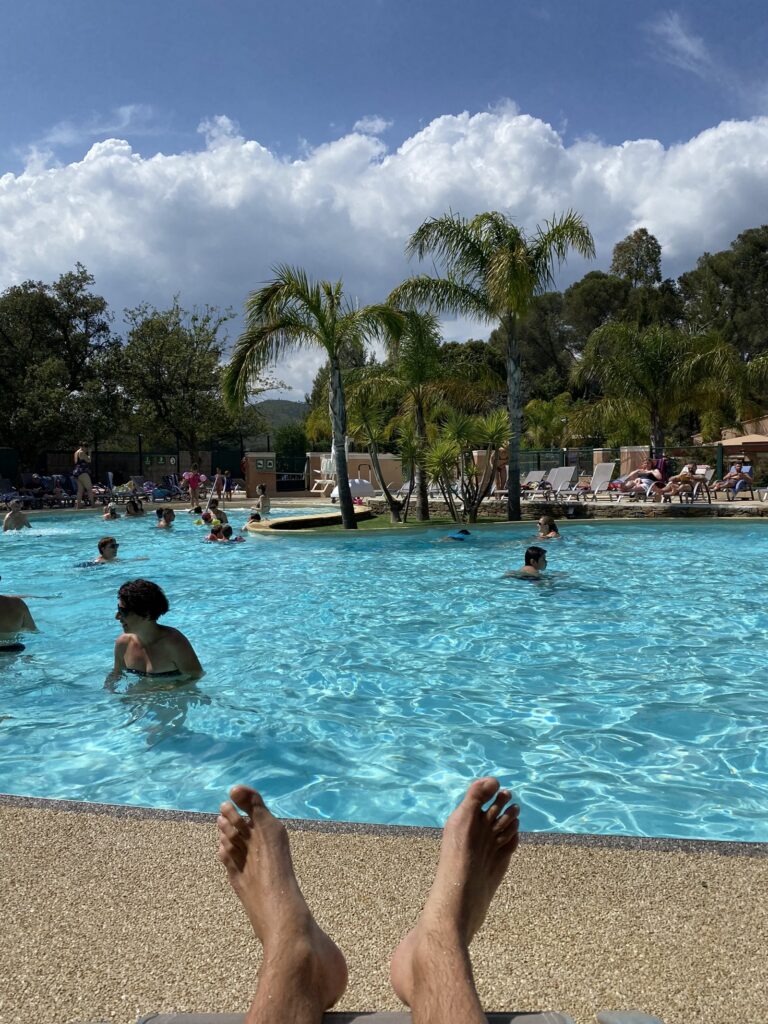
{"x":547,"y":1017}
{"x":601,"y":478}
{"x":533,"y":483}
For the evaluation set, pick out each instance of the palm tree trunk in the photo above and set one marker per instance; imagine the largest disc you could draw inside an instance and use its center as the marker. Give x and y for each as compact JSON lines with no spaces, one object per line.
{"x":338,"y":413}
{"x":657,"y":434}
{"x":422,"y":498}
{"x":394,"y":504}
{"x":515,"y":409}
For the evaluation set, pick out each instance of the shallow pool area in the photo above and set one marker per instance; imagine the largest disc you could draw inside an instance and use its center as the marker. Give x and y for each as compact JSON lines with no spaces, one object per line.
{"x":366,"y":677}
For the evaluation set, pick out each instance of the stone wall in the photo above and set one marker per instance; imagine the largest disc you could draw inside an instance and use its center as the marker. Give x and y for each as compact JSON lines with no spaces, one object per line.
{"x":497,"y":510}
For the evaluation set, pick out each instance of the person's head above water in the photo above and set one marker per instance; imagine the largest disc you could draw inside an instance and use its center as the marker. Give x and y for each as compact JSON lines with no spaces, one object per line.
{"x":226,"y":531}
{"x":547,"y":525}
{"x":108,"y":548}
{"x":534,"y":555}
{"x":143,"y":598}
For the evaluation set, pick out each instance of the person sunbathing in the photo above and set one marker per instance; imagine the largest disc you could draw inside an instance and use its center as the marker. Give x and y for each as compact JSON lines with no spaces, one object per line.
{"x":681,"y":482}
{"x":144,"y":647}
{"x":643,"y":479}
{"x":304,"y":972}
{"x":735,"y":479}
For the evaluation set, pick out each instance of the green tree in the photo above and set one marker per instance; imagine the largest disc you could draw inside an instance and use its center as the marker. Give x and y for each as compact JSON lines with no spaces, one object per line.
{"x":547,"y":423}
{"x":172,"y":373}
{"x":652,"y":375}
{"x":53,"y":342}
{"x":293,"y":312}
{"x":544,"y":341}
{"x":492,"y":272}
{"x":369,"y":424}
{"x":637,"y":259}
{"x":728,"y":292}
{"x":291,"y":440}
{"x":451,"y":463}
{"x":596,"y":299}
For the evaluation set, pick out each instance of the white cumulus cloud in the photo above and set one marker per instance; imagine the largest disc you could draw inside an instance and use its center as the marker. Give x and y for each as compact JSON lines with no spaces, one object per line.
{"x":371,"y":125}
{"x":210,"y":224}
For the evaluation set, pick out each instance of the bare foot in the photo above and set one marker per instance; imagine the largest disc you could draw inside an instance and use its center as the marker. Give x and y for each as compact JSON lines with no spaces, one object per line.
{"x":474,"y":855}
{"x":257,"y":857}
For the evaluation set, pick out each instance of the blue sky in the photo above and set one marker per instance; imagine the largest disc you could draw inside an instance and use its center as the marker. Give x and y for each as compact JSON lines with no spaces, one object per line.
{"x":323,"y":132}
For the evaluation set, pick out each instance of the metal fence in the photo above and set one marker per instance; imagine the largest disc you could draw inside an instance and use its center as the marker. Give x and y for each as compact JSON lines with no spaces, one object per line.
{"x":549,"y":458}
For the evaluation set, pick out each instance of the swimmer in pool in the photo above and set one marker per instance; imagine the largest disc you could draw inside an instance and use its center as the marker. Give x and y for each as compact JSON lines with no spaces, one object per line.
{"x":15,"y":618}
{"x":548,"y":529}
{"x":110,"y":512}
{"x":107,"y":551}
{"x":144,"y":647}
{"x":216,"y":512}
{"x":165,"y":518}
{"x":459,"y":535}
{"x":16,"y":518}
{"x":535,"y":563}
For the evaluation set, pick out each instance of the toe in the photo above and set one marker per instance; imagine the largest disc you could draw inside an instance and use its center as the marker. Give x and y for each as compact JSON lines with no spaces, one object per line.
{"x":232,"y":825}
{"x":247,"y":799}
{"x":482,"y":790}
{"x":501,"y":799}
{"x":510,"y":818}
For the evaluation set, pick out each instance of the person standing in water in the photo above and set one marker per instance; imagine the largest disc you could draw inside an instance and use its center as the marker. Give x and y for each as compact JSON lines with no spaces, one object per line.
{"x":15,"y":618}
{"x":17,"y":518}
{"x":145,"y":648}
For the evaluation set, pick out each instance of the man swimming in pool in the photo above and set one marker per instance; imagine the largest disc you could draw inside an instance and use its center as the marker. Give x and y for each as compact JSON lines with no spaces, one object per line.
{"x":15,"y":618}
{"x":535,"y":563}
{"x":144,"y":648}
{"x":304,"y":972}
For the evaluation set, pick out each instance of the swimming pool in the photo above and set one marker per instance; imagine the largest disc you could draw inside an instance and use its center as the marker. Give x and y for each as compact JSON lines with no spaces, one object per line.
{"x":366,"y":677}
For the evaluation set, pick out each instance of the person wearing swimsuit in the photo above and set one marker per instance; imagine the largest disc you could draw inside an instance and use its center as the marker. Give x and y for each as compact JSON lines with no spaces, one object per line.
{"x":82,"y":475}
{"x":145,"y":648}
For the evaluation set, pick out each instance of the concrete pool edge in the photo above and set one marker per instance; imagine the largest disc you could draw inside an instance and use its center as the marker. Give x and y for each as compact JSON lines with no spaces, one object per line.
{"x":638,"y":844}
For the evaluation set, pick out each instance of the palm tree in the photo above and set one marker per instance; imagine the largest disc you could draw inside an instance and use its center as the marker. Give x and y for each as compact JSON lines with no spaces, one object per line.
{"x":492,"y":272}
{"x":451,"y":459}
{"x":415,"y":378}
{"x":654,"y":375}
{"x":294,"y":312}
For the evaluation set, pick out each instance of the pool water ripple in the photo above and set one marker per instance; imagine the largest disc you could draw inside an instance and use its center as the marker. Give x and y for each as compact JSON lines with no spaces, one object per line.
{"x":366,"y":678}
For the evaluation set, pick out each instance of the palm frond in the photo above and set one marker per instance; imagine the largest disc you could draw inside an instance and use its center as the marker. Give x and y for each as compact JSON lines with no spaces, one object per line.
{"x":442,"y":295}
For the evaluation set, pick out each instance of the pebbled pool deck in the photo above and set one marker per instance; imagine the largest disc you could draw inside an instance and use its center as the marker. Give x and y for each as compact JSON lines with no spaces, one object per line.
{"x":109,"y":912}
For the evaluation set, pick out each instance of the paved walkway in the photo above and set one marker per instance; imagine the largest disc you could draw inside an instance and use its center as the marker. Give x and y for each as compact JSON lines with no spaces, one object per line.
{"x":105,"y":917}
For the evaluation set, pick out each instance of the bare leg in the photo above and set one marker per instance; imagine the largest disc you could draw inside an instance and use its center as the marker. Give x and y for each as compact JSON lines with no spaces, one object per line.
{"x":303,"y":972}
{"x":431,"y":970}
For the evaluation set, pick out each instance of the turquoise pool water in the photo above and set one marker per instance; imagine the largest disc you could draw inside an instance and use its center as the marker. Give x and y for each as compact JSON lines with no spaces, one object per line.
{"x":367,"y":677}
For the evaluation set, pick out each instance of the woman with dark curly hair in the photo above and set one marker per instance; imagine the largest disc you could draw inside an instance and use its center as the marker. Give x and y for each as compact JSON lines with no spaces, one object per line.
{"x":145,"y":648}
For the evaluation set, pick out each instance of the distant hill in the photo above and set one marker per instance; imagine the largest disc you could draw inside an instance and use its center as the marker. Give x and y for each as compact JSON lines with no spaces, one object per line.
{"x":279,"y":412}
